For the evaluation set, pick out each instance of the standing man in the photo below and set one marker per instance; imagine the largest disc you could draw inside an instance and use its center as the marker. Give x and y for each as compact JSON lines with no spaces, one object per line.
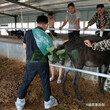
{"x":51,"y":20}
{"x":36,"y":63}
{"x":73,"y":17}
{"x":51,"y":24}
{"x":101,"y":18}
{"x":56,"y":43}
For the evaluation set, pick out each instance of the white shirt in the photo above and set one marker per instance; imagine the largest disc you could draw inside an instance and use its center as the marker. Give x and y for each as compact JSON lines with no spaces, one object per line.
{"x":72,"y":18}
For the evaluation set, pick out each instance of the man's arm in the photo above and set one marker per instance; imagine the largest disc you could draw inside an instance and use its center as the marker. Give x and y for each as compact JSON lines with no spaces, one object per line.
{"x":78,"y":16}
{"x":64,"y":23}
{"x":107,"y":22}
{"x":77,"y":23}
{"x":53,"y":22}
{"x":24,"y":41}
{"x":92,"y":21}
{"x":85,"y":28}
{"x":101,"y":46}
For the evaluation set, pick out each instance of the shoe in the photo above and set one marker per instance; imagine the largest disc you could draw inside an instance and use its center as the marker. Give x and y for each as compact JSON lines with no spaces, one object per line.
{"x":59,"y":81}
{"x":51,"y":103}
{"x":20,"y":104}
{"x":51,"y":79}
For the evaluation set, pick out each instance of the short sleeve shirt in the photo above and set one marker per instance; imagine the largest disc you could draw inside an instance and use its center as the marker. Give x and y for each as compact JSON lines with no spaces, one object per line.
{"x":72,"y":18}
{"x":31,"y":47}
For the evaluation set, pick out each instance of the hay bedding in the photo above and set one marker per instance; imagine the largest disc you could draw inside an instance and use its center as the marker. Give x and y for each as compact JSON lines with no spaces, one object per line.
{"x":11,"y":75}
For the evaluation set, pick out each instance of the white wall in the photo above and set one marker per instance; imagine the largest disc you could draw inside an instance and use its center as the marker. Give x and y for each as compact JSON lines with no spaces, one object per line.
{"x":11,"y":50}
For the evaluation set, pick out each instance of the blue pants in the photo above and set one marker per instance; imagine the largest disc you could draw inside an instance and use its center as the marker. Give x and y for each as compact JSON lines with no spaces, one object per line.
{"x":31,"y":70}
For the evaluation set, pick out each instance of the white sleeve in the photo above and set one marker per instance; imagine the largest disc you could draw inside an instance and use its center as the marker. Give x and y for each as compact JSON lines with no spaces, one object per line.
{"x":57,"y":43}
{"x":78,"y":15}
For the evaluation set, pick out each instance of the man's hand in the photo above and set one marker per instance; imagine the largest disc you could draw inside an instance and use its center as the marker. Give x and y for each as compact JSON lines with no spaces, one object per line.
{"x":88,"y":43}
{"x":60,"y":27}
{"x":102,"y":29}
{"x":77,"y":27}
{"x":65,"y":41}
{"x":85,"y":28}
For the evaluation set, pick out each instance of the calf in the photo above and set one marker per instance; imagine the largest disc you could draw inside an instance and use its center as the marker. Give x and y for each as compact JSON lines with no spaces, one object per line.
{"x":17,"y":33}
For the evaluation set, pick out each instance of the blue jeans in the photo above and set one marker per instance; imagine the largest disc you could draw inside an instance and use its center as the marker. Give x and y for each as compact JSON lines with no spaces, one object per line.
{"x":31,"y":70}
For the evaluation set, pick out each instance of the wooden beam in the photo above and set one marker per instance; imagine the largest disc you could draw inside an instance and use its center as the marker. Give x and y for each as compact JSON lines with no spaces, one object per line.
{"x":29,"y":6}
{"x":7,"y":14}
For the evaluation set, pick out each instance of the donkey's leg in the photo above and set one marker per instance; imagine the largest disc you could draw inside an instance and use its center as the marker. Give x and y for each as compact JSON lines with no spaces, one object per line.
{"x":75,"y":85}
{"x":77,"y":58}
{"x":103,"y":79}
{"x":69,"y":64}
{"x":63,"y":82}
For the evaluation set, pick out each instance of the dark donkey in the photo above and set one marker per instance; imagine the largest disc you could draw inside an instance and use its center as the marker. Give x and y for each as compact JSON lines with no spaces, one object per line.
{"x":80,"y":56}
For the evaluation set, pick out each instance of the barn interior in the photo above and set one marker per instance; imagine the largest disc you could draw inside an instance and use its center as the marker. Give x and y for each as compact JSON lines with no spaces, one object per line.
{"x":20,"y":16}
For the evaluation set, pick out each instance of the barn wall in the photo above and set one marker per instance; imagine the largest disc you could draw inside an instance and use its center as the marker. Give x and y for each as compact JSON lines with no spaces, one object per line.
{"x":6,"y":19}
{"x":14,"y":51}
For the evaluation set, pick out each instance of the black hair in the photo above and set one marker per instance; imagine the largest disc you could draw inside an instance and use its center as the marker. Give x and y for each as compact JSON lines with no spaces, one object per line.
{"x":42,"y":19}
{"x":71,"y":4}
{"x":100,"y":6}
{"x":50,"y":14}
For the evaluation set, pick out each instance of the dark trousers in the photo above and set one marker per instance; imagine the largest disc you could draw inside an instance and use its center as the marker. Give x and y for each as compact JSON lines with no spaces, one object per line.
{"x":31,"y":70}
{"x":73,"y":34}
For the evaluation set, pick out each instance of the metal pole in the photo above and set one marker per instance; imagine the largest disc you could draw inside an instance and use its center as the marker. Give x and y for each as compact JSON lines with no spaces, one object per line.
{"x":21,"y":19}
{"x":15,"y":20}
{"x":82,"y":71}
{"x":78,"y":29}
{"x":62,"y":29}
{"x":29,"y":6}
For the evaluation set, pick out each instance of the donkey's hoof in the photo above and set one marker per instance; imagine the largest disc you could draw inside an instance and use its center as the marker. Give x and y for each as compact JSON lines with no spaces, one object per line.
{"x":79,"y":98}
{"x":101,"y":91}
{"x":65,"y":94}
